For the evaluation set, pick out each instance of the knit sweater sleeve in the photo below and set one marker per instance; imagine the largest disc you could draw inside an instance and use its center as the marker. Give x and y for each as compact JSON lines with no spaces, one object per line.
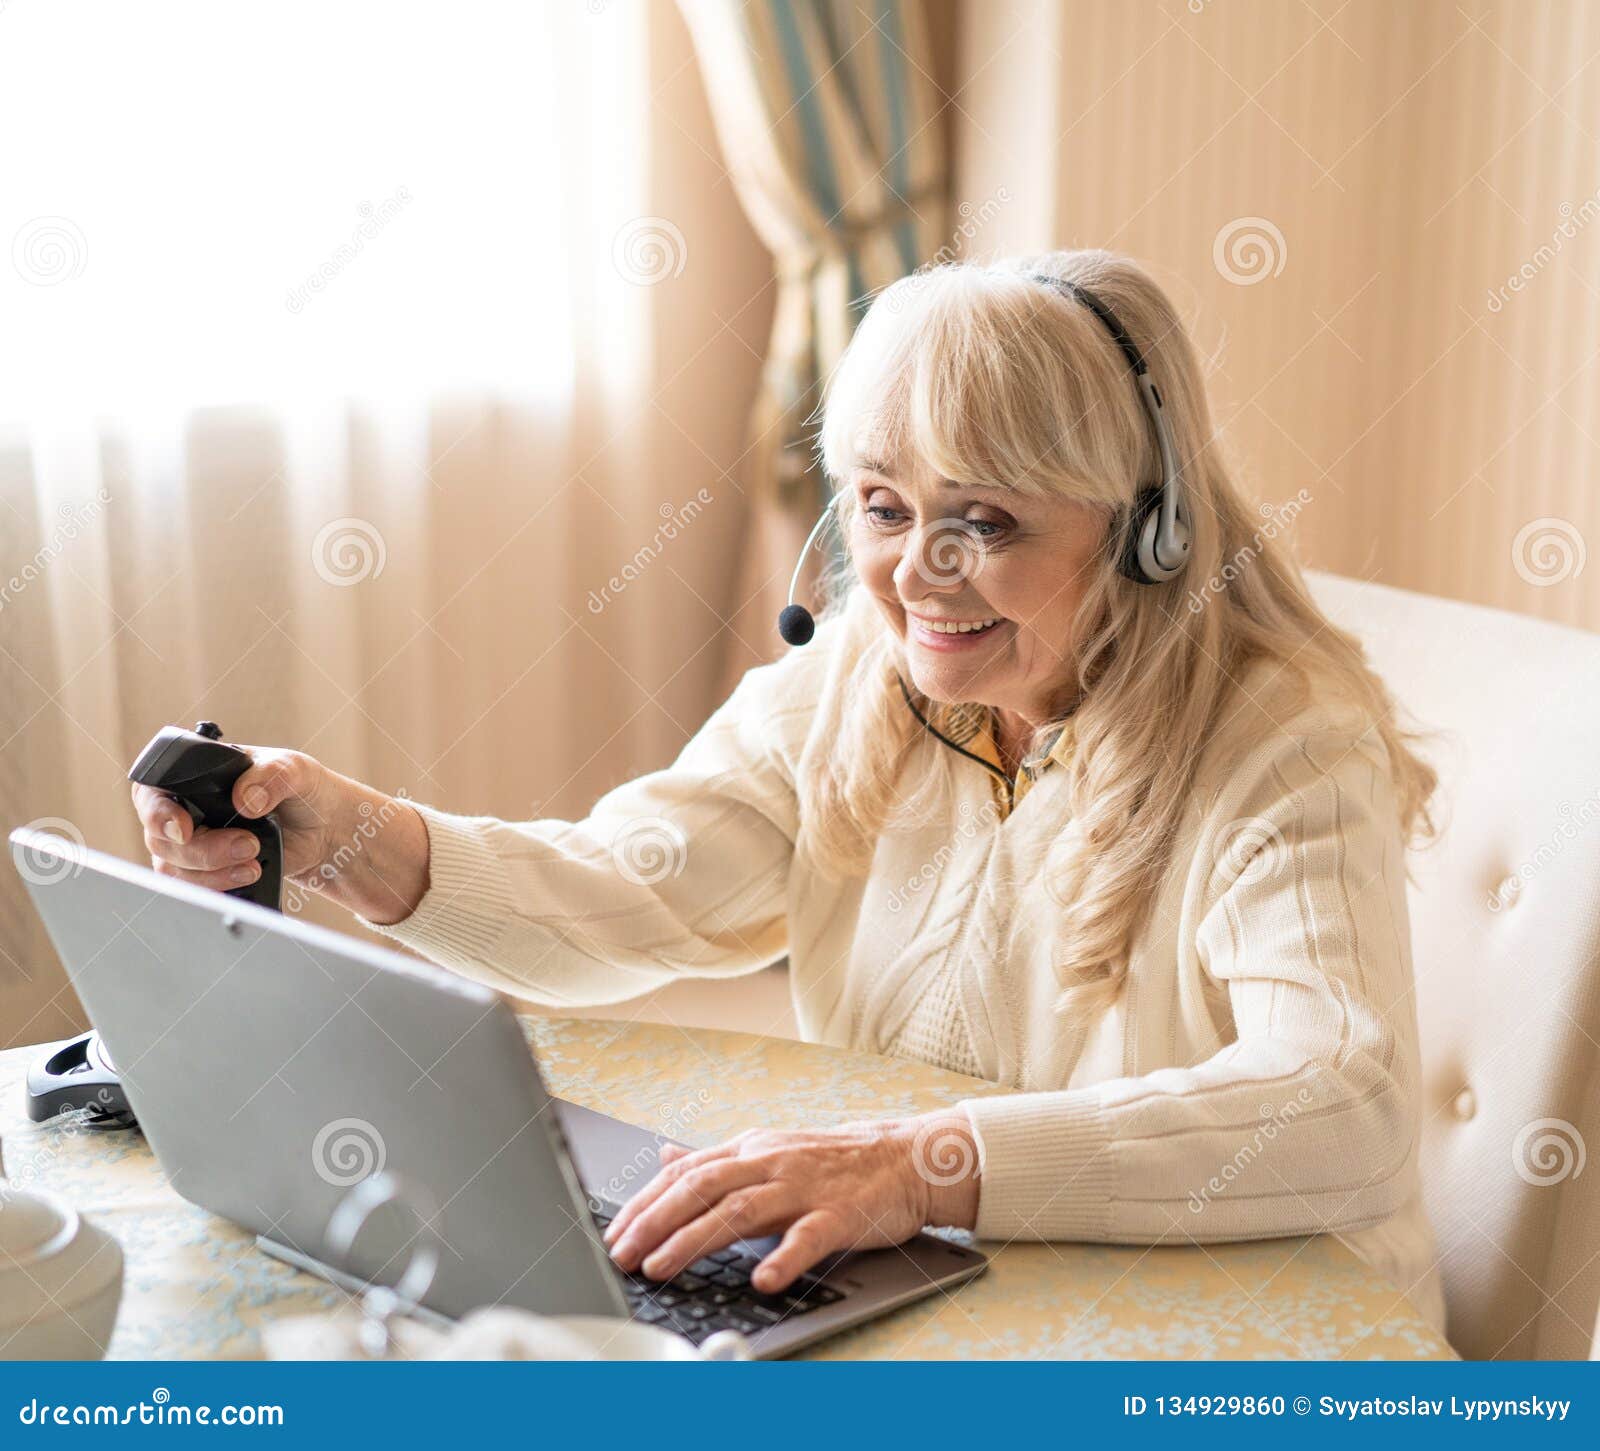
{"x":1305,"y":1122}
{"x":682,"y":871}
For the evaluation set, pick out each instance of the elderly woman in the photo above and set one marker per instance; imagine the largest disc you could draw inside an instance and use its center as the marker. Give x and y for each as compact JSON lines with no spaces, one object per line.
{"x":1120,"y":829}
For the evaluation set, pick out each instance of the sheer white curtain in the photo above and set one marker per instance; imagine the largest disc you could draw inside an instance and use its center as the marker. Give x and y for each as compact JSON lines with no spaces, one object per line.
{"x":345,"y":399}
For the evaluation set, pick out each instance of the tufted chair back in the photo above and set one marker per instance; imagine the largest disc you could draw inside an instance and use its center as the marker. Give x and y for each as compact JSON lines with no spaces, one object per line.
{"x":1505,"y":921}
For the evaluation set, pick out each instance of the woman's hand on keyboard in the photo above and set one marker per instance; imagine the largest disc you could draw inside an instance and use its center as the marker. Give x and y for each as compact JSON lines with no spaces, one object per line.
{"x":366,"y":850}
{"x":859,"y":1186}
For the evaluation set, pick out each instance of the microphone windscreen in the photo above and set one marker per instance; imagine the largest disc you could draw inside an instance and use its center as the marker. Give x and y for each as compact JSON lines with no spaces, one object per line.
{"x":796,"y":625}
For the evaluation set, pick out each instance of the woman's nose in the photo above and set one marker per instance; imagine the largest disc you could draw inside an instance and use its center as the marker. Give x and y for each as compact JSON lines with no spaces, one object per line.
{"x":939,"y":558}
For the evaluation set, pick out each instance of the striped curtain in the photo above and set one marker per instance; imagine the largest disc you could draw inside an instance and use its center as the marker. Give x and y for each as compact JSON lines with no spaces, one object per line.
{"x":827,"y":114}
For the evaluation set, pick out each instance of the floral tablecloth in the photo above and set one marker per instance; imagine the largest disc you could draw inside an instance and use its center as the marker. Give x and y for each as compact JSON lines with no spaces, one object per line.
{"x":196,"y":1286}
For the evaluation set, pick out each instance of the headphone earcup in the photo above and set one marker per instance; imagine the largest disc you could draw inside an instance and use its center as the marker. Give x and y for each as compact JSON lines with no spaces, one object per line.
{"x":1138,"y":529}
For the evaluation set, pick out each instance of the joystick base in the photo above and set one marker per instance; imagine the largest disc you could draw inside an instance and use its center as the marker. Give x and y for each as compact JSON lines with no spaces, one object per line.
{"x":78,"y":1076}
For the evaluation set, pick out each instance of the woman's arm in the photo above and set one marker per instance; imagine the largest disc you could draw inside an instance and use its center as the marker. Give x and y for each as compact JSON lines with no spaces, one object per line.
{"x":684,"y":870}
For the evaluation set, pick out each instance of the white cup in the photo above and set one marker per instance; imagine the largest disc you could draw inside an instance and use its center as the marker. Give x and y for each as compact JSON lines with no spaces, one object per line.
{"x":60,"y":1279}
{"x":498,"y":1333}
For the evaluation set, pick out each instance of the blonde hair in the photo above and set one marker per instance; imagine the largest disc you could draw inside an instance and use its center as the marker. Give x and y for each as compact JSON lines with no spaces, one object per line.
{"x":990,"y":378}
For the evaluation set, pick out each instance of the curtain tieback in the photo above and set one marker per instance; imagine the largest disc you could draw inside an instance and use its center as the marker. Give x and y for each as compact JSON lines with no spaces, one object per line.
{"x":798,"y":262}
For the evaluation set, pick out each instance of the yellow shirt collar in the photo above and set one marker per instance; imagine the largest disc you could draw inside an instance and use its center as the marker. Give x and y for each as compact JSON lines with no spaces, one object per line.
{"x":969,"y":728}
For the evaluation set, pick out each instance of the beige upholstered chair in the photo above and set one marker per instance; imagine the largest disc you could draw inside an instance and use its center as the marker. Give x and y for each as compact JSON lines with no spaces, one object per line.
{"x":1505,"y":917}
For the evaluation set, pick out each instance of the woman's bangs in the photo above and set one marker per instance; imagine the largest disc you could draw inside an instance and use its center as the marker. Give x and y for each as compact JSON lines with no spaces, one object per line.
{"x":974,"y":411}
{"x":946,"y":370}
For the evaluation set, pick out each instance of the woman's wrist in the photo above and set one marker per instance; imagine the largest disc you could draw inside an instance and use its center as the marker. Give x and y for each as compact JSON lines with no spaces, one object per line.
{"x":943,"y":1152}
{"x":378,"y":864}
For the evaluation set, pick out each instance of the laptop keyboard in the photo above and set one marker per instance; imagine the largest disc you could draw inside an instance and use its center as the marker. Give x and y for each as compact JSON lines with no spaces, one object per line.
{"x":715,"y":1294}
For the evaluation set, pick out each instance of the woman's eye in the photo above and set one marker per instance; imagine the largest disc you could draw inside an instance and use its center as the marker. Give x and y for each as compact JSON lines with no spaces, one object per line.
{"x":885,"y":516}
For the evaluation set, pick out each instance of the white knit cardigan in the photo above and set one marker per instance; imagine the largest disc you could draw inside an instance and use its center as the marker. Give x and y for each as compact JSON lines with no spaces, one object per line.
{"x":1257,"y":1077}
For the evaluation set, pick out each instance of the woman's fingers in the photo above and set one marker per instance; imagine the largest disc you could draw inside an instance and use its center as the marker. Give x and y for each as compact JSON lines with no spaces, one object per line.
{"x":664,"y":1179}
{"x":806,"y":1242}
{"x":161,"y":816}
{"x":824,"y":1190}
{"x":744,"y":1212}
{"x":222,"y":881}
{"x":171,"y":837}
{"x":693,"y":1195}
{"x":275,"y":777}
{"x":205,"y":851}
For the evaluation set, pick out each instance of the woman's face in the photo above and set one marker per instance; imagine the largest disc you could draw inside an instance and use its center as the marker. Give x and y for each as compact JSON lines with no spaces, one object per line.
{"x":981,"y":583}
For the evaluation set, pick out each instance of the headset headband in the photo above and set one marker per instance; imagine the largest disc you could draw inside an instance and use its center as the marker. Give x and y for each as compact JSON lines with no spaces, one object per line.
{"x":1155,"y":547}
{"x":1118,"y":333}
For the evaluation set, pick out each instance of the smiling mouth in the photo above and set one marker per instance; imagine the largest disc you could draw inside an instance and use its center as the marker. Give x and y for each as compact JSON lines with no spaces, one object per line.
{"x":951,"y":634}
{"x":957,"y":627}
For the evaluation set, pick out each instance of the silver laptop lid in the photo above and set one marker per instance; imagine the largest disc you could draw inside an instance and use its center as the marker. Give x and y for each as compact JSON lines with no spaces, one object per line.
{"x":273,"y":1064}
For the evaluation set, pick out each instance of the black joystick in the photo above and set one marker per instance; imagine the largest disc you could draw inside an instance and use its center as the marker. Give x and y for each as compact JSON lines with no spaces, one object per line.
{"x":197,"y":769}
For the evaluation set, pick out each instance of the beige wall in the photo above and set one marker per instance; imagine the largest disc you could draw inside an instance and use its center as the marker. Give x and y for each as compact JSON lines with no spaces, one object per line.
{"x":1413,"y":158}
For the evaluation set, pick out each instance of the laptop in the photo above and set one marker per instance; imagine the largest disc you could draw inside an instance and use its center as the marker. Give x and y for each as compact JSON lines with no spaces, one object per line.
{"x":273,"y":1065}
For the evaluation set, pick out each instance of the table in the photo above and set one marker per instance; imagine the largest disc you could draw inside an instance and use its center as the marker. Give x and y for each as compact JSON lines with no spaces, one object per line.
{"x":196,"y":1287}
